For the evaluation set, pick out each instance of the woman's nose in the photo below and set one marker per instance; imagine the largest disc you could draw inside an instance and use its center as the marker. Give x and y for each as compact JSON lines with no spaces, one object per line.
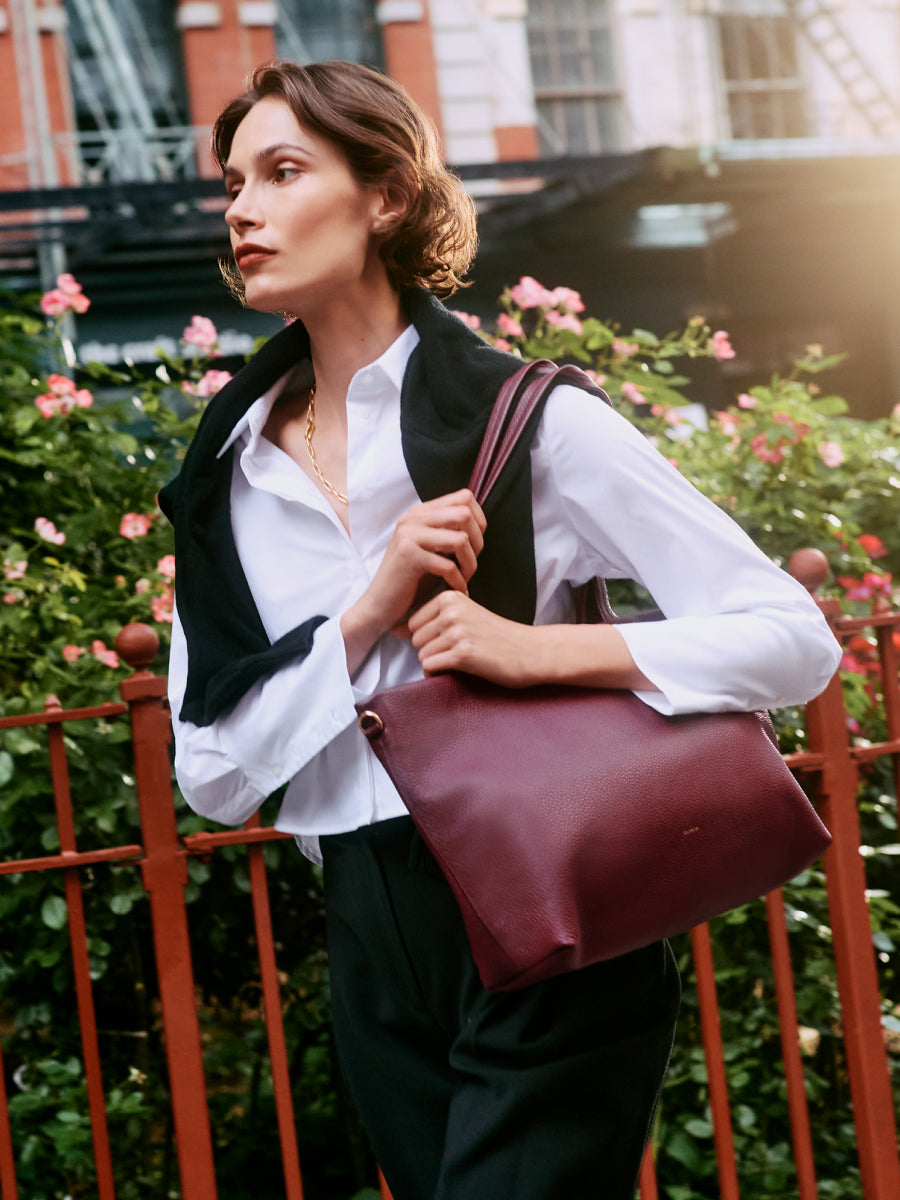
{"x":243,"y":211}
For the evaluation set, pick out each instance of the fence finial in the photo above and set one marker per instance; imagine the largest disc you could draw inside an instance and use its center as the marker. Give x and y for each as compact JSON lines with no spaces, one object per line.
{"x":809,"y":567}
{"x":137,"y":644}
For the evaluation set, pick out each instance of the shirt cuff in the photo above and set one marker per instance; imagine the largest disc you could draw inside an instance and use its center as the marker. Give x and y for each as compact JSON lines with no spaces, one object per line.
{"x":285,"y":721}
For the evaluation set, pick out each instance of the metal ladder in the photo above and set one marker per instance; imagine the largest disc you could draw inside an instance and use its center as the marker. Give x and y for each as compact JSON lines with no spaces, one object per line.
{"x":864,"y":90}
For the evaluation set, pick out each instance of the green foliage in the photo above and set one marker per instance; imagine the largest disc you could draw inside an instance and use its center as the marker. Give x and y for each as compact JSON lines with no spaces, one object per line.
{"x":50,"y":1122}
{"x":87,"y":449}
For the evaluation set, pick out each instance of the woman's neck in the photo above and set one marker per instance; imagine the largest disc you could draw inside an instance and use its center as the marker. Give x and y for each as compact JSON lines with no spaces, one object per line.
{"x":350,"y":334}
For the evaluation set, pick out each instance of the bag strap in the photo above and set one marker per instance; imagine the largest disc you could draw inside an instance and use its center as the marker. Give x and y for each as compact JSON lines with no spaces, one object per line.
{"x":517,"y":400}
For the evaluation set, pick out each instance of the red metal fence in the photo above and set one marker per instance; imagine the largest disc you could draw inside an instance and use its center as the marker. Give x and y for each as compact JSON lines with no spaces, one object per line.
{"x":831,"y":762}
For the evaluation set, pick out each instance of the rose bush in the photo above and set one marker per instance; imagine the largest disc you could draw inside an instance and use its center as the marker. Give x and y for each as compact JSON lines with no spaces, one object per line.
{"x":83,"y":550}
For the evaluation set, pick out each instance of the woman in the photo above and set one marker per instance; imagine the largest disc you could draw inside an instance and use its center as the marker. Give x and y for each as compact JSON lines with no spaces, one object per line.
{"x":322,"y":497}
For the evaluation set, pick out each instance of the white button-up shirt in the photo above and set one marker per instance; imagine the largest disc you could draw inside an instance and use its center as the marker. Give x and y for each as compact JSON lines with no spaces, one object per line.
{"x":740,"y":634}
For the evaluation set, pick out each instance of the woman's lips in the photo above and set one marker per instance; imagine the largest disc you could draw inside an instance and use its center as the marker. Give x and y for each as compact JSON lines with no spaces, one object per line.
{"x":248,"y":256}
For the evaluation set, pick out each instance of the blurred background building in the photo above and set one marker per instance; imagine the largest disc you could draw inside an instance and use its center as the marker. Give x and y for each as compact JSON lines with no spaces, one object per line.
{"x":734,"y":158}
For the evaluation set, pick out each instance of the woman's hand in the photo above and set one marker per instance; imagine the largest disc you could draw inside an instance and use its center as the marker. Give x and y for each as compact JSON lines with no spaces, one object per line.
{"x":453,"y":633}
{"x":434,"y":543}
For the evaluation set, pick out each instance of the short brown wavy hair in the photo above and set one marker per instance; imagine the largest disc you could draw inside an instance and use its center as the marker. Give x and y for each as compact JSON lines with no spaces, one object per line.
{"x":384,"y":135}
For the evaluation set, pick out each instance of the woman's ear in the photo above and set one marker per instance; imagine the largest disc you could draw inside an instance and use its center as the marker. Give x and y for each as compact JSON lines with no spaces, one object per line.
{"x":391,"y":205}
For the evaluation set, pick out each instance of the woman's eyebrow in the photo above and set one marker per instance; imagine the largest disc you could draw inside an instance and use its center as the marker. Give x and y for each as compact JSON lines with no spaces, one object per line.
{"x":267,"y":152}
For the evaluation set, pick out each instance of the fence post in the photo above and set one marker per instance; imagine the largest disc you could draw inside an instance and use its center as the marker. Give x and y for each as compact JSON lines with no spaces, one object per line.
{"x":164,"y":868}
{"x":854,"y":952}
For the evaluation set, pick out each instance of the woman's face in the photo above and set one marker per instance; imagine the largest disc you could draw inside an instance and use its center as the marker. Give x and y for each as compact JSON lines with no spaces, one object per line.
{"x":301,"y":225}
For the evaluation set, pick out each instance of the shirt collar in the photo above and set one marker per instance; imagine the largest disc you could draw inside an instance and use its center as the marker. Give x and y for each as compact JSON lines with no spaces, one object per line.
{"x":392,"y":364}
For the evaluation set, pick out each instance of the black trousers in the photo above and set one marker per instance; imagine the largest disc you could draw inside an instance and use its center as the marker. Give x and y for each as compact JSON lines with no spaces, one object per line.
{"x":546,"y":1093}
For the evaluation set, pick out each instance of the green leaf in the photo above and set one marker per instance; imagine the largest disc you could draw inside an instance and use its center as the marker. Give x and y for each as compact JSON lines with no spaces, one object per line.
{"x":120,"y":904}
{"x":683,"y":1150}
{"x":699,"y":1128}
{"x":50,"y":838}
{"x":830,"y":406}
{"x":23,"y":420}
{"x":54,"y":912}
{"x":7,"y":767}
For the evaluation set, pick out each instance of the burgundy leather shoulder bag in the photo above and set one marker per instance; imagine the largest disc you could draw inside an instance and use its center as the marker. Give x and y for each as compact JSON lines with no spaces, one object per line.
{"x":576,"y":824}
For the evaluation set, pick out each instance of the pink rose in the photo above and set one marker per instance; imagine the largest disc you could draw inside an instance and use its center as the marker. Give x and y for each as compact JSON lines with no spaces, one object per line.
{"x":166,"y":566}
{"x":727,"y":423}
{"x":48,"y":404}
{"x":68,"y":285}
{"x":47,"y":530}
{"x":567,"y":299}
{"x":721,"y":345}
{"x":108,"y":657}
{"x":142,"y":585}
{"x":72,"y":653}
{"x":528,"y":293}
{"x":13,"y":597}
{"x":163,"y":606}
{"x":212,"y":382}
{"x":669,"y":415}
{"x":800,"y":429}
{"x":623,"y":348}
{"x":502,"y":344}
{"x":564,"y":321}
{"x":632,"y":392}
{"x":67,"y":295}
{"x":54,"y":303}
{"x":201,"y":333}
{"x":831,"y":454}
{"x":764,"y":452}
{"x":60,"y":385}
{"x":510,"y":326}
{"x":62,"y":397}
{"x":745,"y":400}
{"x":597,"y":377}
{"x":134,"y":525}
{"x":871,"y":584}
{"x":15,"y":570}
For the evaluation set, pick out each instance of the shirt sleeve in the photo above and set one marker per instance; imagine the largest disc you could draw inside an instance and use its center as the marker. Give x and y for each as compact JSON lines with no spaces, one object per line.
{"x":227,"y":769}
{"x":740,"y":633}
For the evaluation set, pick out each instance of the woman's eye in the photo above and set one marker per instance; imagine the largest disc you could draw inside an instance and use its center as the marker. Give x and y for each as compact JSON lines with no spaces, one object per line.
{"x":284,"y":172}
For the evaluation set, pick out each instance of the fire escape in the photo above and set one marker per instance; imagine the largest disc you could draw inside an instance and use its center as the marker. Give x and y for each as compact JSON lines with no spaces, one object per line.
{"x":827,"y":35}
{"x":132,"y":122}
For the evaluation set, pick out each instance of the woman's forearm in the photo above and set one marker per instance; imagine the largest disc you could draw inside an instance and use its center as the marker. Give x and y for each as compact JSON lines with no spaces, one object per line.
{"x":586,"y":655}
{"x":453,"y":633}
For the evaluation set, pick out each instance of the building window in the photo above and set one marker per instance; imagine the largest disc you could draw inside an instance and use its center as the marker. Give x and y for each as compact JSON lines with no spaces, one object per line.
{"x":311,"y":31}
{"x":572,"y":63}
{"x":762,"y":82}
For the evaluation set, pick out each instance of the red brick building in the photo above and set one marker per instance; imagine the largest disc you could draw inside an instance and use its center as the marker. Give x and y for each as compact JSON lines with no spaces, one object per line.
{"x":739,"y":158}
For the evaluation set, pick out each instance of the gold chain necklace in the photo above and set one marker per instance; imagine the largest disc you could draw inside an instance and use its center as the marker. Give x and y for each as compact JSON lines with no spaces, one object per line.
{"x":310,"y":430}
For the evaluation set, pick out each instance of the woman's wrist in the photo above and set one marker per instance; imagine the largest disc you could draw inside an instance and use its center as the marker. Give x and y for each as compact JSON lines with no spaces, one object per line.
{"x":585,"y":656}
{"x":360,"y":629}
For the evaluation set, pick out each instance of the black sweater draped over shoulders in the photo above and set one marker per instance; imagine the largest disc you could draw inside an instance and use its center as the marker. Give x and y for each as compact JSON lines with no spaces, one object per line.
{"x":448,"y":391}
